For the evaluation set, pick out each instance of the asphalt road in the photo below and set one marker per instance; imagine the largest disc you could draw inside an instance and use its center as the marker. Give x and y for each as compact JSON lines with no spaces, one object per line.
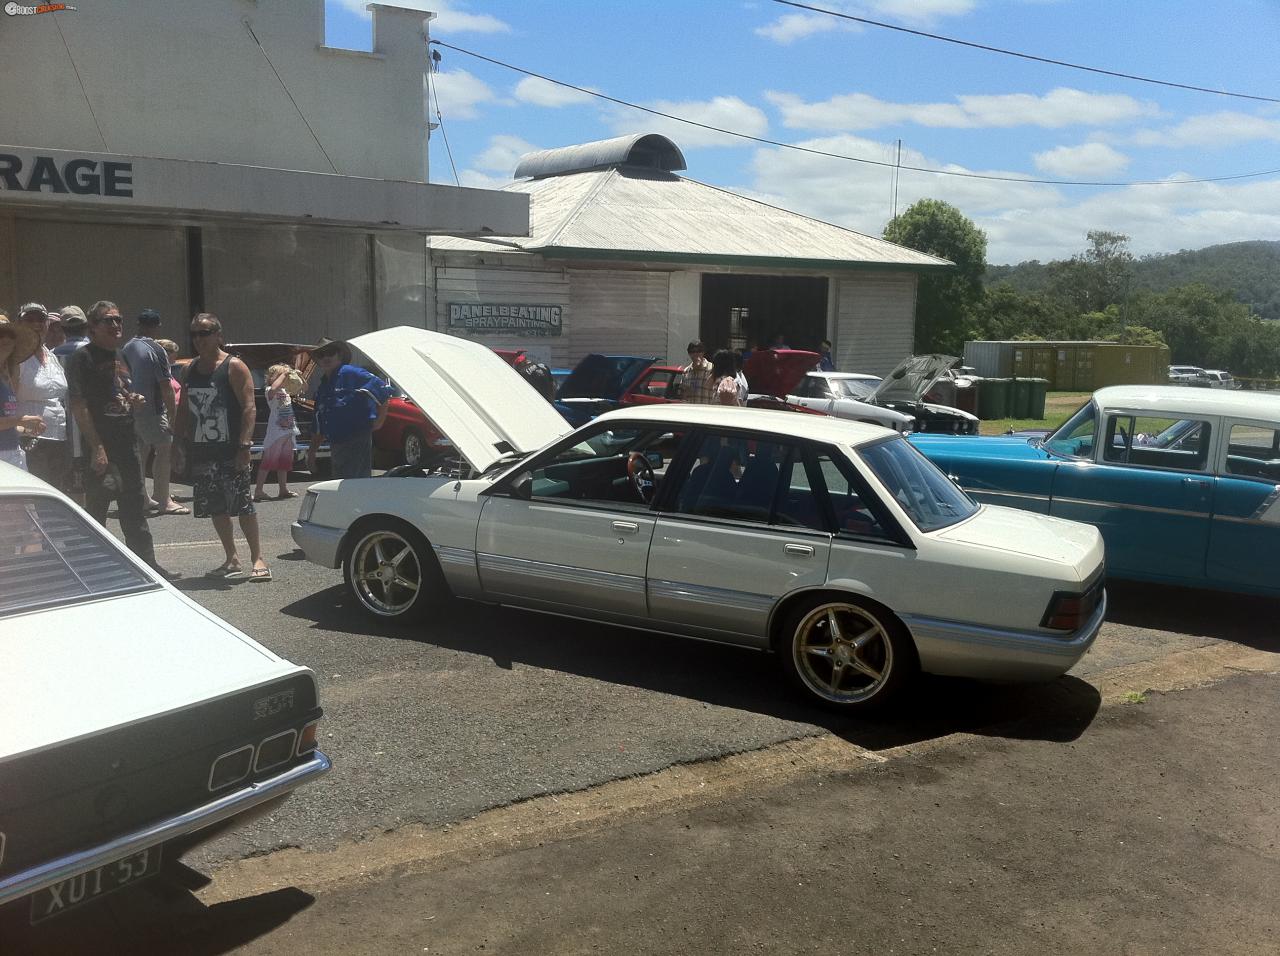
{"x":487,"y":706}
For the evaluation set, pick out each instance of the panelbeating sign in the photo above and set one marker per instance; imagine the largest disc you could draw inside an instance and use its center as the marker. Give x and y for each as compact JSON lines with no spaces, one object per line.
{"x":485,"y":318}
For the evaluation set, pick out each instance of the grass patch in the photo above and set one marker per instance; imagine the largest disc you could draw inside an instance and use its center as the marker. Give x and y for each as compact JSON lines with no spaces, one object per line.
{"x":1135,"y":697}
{"x":1058,"y":407}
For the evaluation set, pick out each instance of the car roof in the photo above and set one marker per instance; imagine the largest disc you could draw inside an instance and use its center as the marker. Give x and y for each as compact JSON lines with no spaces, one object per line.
{"x":13,"y":478}
{"x":789,"y":424}
{"x":1190,"y":401}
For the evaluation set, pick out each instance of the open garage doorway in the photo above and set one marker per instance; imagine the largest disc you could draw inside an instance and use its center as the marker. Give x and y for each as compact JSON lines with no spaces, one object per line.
{"x":742,"y":311}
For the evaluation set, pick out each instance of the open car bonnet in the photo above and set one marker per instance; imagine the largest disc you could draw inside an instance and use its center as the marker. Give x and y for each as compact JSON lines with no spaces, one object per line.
{"x":604,"y":376}
{"x":478,"y":401}
{"x":778,"y":371}
{"x":913,"y":377}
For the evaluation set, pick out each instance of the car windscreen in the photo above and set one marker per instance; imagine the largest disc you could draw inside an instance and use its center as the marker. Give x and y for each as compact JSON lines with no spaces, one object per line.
{"x":50,"y":556}
{"x":930,"y":498}
{"x":857,"y":388}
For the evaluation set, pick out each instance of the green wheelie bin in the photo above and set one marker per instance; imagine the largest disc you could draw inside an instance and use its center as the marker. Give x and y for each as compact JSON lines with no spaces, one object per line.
{"x":993,"y":398}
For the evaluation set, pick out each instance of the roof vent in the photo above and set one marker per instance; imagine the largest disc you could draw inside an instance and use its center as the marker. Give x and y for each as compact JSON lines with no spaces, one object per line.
{"x":648,"y":150}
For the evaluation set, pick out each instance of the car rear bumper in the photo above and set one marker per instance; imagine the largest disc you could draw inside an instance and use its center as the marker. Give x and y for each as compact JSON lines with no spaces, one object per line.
{"x":973,"y":650}
{"x":321,"y":545}
{"x":35,"y":878}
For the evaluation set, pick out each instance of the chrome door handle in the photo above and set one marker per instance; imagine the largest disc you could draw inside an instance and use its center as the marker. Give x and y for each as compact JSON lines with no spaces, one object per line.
{"x":799,"y":550}
{"x":629,"y":526}
{"x":1196,"y":482}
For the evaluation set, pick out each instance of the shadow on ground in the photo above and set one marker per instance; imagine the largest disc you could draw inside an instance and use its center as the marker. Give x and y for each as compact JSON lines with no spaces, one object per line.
{"x":1240,"y":618}
{"x":720,"y":675}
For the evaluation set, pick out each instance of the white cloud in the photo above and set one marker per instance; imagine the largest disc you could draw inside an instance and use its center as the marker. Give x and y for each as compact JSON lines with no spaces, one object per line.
{"x":542,"y":93}
{"x":1022,"y":220}
{"x":791,"y":27}
{"x":459,"y":93}
{"x":725,"y":112}
{"x":1212,"y":130}
{"x":502,"y":154}
{"x":448,"y":19}
{"x":478,"y":180}
{"x":1086,"y":161}
{"x":796,"y":26}
{"x":1056,"y":109}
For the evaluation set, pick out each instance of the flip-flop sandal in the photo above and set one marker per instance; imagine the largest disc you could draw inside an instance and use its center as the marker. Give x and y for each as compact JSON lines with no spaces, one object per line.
{"x":180,"y":510}
{"x":263,"y":498}
{"x":260,"y":574}
{"x":226,"y":572}
{"x":287,"y":494}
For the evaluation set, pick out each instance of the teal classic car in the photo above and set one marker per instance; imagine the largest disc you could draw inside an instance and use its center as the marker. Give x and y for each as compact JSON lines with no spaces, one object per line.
{"x":1184,"y":484}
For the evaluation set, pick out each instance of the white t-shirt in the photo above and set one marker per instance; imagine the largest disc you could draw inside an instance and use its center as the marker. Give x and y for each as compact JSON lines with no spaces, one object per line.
{"x":42,"y":390}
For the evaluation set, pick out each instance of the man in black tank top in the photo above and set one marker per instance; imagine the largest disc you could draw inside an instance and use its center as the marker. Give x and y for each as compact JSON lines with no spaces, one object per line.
{"x":216,"y":415}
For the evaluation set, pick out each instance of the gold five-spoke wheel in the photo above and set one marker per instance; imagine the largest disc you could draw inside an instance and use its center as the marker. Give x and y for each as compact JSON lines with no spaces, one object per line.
{"x":847,"y":655}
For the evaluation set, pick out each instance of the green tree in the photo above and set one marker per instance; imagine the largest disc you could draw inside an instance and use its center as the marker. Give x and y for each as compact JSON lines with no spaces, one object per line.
{"x":944,"y":300}
{"x":1097,"y":277}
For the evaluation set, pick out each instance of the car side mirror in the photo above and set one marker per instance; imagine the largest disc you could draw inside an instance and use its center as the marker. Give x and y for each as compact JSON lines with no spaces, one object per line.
{"x":522,"y":486}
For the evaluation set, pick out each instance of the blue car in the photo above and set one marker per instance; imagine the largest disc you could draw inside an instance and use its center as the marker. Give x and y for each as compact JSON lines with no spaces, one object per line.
{"x":1184,"y":484}
{"x":597,"y":384}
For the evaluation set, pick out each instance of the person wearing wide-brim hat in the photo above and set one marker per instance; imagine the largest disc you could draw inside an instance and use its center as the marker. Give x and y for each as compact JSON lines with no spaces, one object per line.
{"x":351,"y":403}
{"x":17,"y":344}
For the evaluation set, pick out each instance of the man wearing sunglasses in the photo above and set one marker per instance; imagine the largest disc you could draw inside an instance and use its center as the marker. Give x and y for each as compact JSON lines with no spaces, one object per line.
{"x":103,"y":400}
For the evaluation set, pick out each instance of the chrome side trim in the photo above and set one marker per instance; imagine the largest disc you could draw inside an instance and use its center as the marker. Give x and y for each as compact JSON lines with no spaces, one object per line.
{"x":1004,"y":494}
{"x":1114,"y":505}
{"x":37,"y":877}
{"x":455,"y":557}
{"x":715,"y":597}
{"x":585,"y":577}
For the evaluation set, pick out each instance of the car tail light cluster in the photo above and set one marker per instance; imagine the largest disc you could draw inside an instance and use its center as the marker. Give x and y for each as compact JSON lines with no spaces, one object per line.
{"x":273,"y":751}
{"x":1070,"y":611}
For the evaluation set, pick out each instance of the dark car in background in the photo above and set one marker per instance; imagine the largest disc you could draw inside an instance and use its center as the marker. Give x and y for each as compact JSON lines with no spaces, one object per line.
{"x":598,"y":384}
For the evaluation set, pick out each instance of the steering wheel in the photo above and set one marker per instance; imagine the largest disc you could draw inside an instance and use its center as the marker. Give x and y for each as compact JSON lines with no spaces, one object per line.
{"x":643,"y":479}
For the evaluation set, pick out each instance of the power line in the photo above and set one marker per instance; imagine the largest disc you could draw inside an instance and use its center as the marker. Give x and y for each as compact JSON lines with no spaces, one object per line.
{"x":83,"y":91}
{"x":1026,"y":56}
{"x":433,"y":88}
{"x":852,"y":159}
{"x":284,"y":87}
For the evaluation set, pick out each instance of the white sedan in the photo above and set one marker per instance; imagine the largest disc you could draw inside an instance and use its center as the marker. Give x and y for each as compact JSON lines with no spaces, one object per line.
{"x":834,"y":544}
{"x":133,"y":723}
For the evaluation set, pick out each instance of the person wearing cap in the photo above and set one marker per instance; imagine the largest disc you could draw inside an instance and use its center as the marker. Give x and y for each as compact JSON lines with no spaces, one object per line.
{"x":75,"y":327}
{"x":217,"y":413}
{"x":42,"y":390}
{"x":351,"y":403}
{"x":103,"y":400}
{"x":149,"y":366}
{"x":17,"y":343}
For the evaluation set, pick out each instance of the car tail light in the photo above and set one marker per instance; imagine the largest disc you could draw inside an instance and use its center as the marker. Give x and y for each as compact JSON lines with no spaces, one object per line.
{"x":308,"y":506}
{"x":275,"y":750}
{"x":307,"y":739}
{"x":231,"y":767}
{"x":1069,"y":611}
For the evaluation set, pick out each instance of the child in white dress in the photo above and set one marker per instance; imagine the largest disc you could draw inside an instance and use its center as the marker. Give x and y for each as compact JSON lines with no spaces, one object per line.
{"x":283,"y":385}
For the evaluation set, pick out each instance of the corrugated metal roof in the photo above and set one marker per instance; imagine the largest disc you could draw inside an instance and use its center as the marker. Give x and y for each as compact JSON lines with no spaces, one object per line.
{"x":648,"y":214}
{"x":637,"y":149}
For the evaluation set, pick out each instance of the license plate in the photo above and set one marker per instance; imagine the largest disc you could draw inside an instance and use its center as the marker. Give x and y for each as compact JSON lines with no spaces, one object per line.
{"x":61,"y":897}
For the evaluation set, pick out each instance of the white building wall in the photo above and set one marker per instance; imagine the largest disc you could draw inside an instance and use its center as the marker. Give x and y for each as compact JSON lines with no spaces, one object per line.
{"x":618,"y":312}
{"x":875,"y":321}
{"x":684,"y":311}
{"x":186,"y":80}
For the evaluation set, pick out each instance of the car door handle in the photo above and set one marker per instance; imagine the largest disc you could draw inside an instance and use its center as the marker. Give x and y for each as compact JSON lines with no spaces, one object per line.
{"x":629,"y":526}
{"x":799,"y":550}
{"x":1196,"y":482}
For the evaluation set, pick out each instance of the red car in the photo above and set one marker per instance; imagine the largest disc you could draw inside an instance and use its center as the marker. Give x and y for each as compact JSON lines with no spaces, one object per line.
{"x":408,"y":436}
{"x":770,"y":374}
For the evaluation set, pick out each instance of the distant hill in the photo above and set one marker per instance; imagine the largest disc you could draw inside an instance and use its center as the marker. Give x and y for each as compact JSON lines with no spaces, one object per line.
{"x":1249,"y":270}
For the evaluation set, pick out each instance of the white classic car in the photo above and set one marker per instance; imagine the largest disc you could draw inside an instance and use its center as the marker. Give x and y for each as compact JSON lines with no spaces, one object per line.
{"x":845,"y":394}
{"x":134,"y":724}
{"x":833,"y":543}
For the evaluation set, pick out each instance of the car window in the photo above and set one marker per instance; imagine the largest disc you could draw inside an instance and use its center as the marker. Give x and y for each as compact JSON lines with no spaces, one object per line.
{"x":854,"y":513}
{"x":1074,"y":437}
{"x":858,"y":388}
{"x":929,"y":497}
{"x":1253,"y":451}
{"x":1156,"y":442}
{"x":50,"y":556}
{"x":658,"y":384}
{"x":617,"y":466}
{"x":754,"y":479}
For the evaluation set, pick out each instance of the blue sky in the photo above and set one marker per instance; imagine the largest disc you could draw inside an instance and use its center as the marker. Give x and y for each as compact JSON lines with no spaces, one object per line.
{"x":780,"y":73}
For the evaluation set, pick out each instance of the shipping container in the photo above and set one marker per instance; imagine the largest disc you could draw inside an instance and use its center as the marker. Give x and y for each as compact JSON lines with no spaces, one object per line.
{"x":1071,"y":366}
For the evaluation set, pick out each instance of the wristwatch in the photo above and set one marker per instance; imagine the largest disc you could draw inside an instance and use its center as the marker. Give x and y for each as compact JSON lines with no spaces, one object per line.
{"x":246,"y":444}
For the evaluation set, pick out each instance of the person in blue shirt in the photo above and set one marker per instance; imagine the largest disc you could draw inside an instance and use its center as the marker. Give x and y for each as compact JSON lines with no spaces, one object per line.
{"x":825,"y":364}
{"x":351,"y":403}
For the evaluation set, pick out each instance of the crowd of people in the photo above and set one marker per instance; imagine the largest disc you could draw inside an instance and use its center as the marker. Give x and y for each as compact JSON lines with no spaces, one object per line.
{"x":86,"y":410}
{"x":720,"y":380}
